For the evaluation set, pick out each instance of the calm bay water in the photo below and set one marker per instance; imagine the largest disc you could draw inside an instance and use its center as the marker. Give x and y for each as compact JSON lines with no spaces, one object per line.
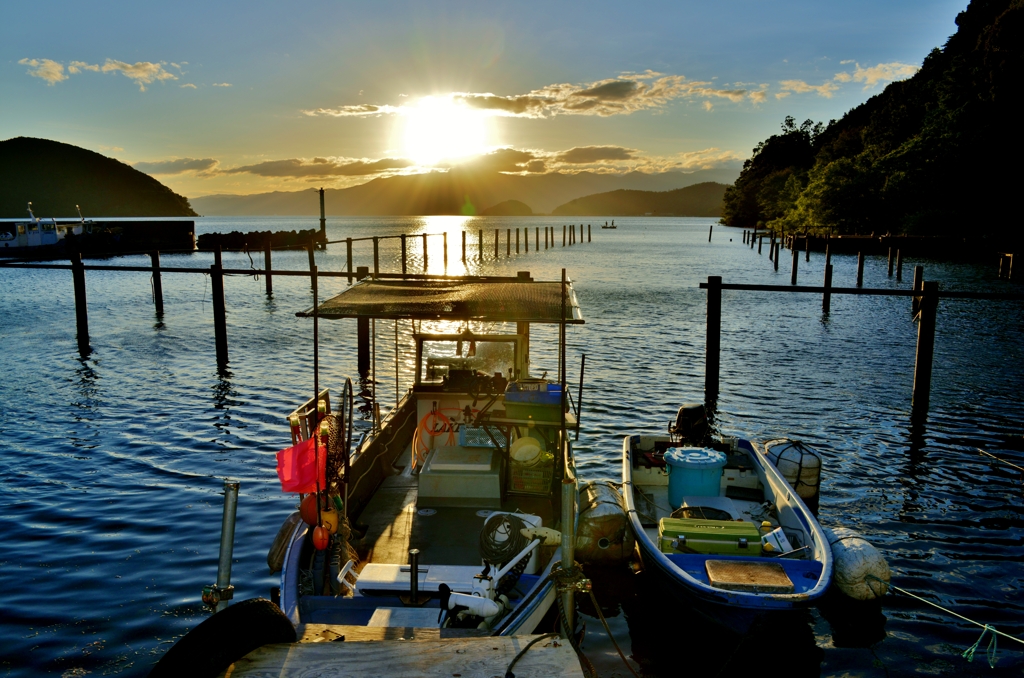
{"x":112,"y":465}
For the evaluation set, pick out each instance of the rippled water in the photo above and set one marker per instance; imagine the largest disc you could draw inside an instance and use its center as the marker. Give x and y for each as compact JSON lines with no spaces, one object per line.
{"x":112,"y":465}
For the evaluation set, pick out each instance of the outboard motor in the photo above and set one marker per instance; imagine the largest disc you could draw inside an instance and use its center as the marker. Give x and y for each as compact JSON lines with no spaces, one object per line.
{"x":691,"y":425}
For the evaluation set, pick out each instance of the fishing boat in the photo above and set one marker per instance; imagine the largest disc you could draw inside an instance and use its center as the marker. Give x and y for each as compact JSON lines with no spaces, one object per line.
{"x":719,"y":529}
{"x":452,"y":513}
{"x":607,"y":226}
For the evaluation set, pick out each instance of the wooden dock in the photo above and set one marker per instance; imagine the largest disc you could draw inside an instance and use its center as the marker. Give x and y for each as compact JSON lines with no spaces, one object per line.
{"x":327,"y":651}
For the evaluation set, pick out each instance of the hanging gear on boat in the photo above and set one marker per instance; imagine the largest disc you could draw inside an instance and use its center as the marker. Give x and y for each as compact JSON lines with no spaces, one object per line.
{"x":603,"y":535}
{"x":500,"y":541}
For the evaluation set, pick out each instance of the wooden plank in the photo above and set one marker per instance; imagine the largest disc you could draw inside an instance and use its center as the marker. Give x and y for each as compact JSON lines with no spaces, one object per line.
{"x":321,"y":633}
{"x":467,"y":658}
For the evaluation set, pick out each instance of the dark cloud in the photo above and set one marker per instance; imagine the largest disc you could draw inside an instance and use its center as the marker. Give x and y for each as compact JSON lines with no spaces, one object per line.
{"x":614,"y":90}
{"x":320,"y":167}
{"x":516,"y":105}
{"x":352,"y":110}
{"x":588,"y":154}
{"x":176,"y":166}
{"x":506,"y":160}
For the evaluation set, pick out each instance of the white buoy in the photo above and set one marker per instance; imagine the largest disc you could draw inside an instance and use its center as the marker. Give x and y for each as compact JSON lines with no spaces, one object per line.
{"x":857,"y":565}
{"x":798,"y":463}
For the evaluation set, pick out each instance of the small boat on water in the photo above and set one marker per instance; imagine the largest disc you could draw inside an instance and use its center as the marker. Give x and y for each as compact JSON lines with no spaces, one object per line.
{"x":450,"y":514}
{"x":607,"y":226}
{"x":720,"y":531}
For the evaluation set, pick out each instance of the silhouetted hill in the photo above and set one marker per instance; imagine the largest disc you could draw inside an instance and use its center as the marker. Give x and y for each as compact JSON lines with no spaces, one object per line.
{"x":55,"y":177}
{"x":509,"y":208}
{"x":700,"y":200}
{"x":455,"y":192}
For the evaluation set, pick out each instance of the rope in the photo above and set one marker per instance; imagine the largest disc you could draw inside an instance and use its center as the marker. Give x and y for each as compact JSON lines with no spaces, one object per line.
{"x":508,"y":671}
{"x":1019,"y":468}
{"x":985,"y":628}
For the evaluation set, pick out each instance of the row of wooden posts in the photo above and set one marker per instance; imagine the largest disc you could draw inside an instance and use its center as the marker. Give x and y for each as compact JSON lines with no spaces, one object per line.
{"x":217,"y":273}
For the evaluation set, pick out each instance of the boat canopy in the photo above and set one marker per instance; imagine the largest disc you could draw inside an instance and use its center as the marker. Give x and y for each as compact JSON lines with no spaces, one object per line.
{"x":501,"y":300}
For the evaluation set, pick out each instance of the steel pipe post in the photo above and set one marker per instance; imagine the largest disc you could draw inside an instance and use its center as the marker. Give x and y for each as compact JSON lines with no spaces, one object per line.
{"x":220,"y":325}
{"x":267,"y":267}
{"x":568,"y":543}
{"x":362,"y":333}
{"x":227,"y":539}
{"x":826,"y":298}
{"x":713,"y":345}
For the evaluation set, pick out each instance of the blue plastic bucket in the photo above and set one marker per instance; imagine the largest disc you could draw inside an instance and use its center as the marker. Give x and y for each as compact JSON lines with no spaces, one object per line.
{"x":693,"y":471}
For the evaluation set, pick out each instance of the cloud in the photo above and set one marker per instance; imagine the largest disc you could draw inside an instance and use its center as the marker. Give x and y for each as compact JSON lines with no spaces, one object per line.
{"x":50,"y":71}
{"x":706,"y":158}
{"x":353,"y":110}
{"x":826,"y":89}
{"x":188,"y":85}
{"x":177,"y":166}
{"x":506,"y":160}
{"x":222,"y":84}
{"x":873,"y":75}
{"x":590,"y":154}
{"x":320,"y":167}
{"x":141,"y":73}
{"x":782,"y":95}
{"x":708,"y":106}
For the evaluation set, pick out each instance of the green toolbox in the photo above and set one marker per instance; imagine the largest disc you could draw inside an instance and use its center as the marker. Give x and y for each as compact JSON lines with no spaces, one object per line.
{"x":716,"y":537}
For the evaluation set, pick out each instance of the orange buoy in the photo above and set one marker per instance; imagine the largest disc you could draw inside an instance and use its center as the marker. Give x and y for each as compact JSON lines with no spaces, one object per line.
{"x":321,"y":537}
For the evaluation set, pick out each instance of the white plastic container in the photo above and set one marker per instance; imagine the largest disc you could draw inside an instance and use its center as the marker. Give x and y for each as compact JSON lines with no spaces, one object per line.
{"x":693,"y":471}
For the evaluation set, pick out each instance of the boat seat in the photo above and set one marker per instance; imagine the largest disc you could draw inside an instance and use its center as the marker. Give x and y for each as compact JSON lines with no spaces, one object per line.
{"x":385,"y":579}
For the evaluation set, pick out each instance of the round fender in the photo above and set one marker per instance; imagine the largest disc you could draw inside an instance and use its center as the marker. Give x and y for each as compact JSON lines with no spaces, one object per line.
{"x":227,"y":636}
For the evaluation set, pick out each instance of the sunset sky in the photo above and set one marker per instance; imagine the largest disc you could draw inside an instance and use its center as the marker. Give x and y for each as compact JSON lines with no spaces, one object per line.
{"x":245,"y":97}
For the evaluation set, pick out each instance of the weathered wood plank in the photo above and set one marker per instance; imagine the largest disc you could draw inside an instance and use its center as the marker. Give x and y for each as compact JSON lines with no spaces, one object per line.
{"x":466,"y":658}
{"x":319,"y":633}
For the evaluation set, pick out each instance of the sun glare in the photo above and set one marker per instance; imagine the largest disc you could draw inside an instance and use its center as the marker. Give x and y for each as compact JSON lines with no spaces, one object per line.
{"x":438,"y":129}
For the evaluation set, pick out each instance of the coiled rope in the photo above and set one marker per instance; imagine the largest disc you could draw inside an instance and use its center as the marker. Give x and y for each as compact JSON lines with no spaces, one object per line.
{"x":500,"y":541}
{"x":968,"y":654}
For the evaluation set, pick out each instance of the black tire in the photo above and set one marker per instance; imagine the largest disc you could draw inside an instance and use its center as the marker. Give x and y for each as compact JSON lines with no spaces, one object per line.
{"x":227,"y":636}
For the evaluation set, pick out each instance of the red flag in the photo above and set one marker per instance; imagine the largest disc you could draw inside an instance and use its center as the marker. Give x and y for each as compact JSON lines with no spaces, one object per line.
{"x":295,"y":467}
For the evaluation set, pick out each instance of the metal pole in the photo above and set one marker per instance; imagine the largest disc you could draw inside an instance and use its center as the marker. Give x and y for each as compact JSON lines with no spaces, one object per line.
{"x":713,"y":345}
{"x":158,"y":288}
{"x":925,"y":352}
{"x":463,"y":246}
{"x":796,"y":262}
{"x":362,"y":334}
{"x":517,"y":241}
{"x":267,"y":268}
{"x":227,"y":541}
{"x":496,"y":239}
{"x":220,"y":325}
{"x":860,"y":269}
{"x":376,"y":256}
{"x":81,"y":309}
{"x":445,"y":238}
{"x":826,"y":298}
{"x":568,"y":543}
{"x":579,"y":399}
{"x":536,"y":241}
{"x":526,"y":239}
{"x":323,"y":218}
{"x":424,"y":251}
{"x":899,"y":265}
{"x":508,"y":243}
{"x":890,"y":261}
{"x":918,"y":285}
{"x":807,"y":247}
{"x":312,"y":263}
{"x":563,"y":235}
{"x":403,"y":254}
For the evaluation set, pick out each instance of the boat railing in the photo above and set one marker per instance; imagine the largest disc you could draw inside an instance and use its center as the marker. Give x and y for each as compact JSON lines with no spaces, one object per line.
{"x":307,"y":414}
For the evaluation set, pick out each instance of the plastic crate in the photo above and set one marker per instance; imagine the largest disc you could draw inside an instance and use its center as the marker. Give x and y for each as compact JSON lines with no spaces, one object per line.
{"x":530,"y":479}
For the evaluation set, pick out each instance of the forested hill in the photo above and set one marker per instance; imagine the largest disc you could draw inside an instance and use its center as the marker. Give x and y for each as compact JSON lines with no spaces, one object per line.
{"x":934,"y":154}
{"x":55,"y":177}
{"x":699,"y":200}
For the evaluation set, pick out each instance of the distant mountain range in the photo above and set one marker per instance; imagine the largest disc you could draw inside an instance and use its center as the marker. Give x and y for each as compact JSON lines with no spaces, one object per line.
{"x":458,"y":191}
{"x":55,"y":177}
{"x":699,"y":200}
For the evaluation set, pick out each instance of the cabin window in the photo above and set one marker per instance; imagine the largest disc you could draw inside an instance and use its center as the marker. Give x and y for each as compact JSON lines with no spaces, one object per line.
{"x":445,"y":358}
{"x":21,"y":229}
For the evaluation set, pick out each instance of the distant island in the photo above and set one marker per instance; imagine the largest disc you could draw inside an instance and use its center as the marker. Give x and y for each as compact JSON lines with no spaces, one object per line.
{"x":934,"y":154}
{"x":55,"y":177}
{"x":509,"y":208}
{"x":700,"y":200}
{"x":458,"y":191}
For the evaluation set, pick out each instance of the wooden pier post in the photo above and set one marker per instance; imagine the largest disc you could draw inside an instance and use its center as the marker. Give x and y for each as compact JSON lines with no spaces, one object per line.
{"x":713,"y":345}
{"x":744,"y":236}
{"x":711,"y":230}
{"x":348,"y":258}
{"x":526,"y":239}
{"x":463,"y":246}
{"x":753,"y":237}
{"x":547,"y":236}
{"x":563,"y":235}
{"x":480,"y":245}
{"x":536,"y":241}
{"x":323,"y":219}
{"x":1009,"y":267}
{"x":828,"y":253}
{"x":918,"y":286}
{"x":777,"y":256}
{"x":807,"y":248}
{"x":404,"y":259}
{"x":508,"y":243}
{"x":581,"y":233}
{"x":925,"y":352}
{"x":796,"y":262}
{"x":81,"y":310}
{"x":760,"y":242}
{"x":158,"y":288}
{"x":891,"y":261}
{"x":424,"y":251}
{"x":517,"y":240}
{"x":860,"y":269}
{"x":312,"y":260}
{"x":588,"y":232}
{"x":220,"y":325}
{"x":445,"y":239}
{"x":268,"y":267}
{"x":826,"y":298}
{"x":497,"y":239}
{"x":376,"y":256}
{"x":899,"y":265}
{"x":362,"y":333}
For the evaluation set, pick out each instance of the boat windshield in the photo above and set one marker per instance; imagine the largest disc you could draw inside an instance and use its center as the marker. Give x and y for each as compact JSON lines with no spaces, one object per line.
{"x":442,"y":359}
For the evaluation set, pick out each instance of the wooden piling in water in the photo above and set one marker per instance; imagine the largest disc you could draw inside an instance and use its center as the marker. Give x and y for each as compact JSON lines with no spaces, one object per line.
{"x":826,"y":298}
{"x":376,"y":256}
{"x":807,"y":248}
{"x":517,"y":240}
{"x":588,"y":232}
{"x":860,"y":269}
{"x":496,"y":241}
{"x":312,"y":260}
{"x":536,"y":241}
{"x":918,"y":285}
{"x":711,"y":230}
{"x":796,"y":262}
{"x":480,"y":248}
{"x":713,"y":344}
{"x":362,"y":333}
{"x":267,"y":268}
{"x":526,"y":239}
{"x":404,"y":259}
{"x":925,"y":352}
{"x":424,"y":251}
{"x":220,"y":325}
{"x":581,"y":232}
{"x":445,"y":243}
{"x":463,"y":246}
{"x":777,"y":256}
{"x":899,"y":265}
{"x":563,"y":235}
{"x":508,"y":243}
{"x":348,"y":258}
{"x":81,"y":309}
{"x":760,"y":242}
{"x":158,"y":288}
{"x":890,"y":261}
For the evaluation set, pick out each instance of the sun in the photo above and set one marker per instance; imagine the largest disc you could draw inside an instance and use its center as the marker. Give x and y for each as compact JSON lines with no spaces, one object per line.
{"x":438,"y":128}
